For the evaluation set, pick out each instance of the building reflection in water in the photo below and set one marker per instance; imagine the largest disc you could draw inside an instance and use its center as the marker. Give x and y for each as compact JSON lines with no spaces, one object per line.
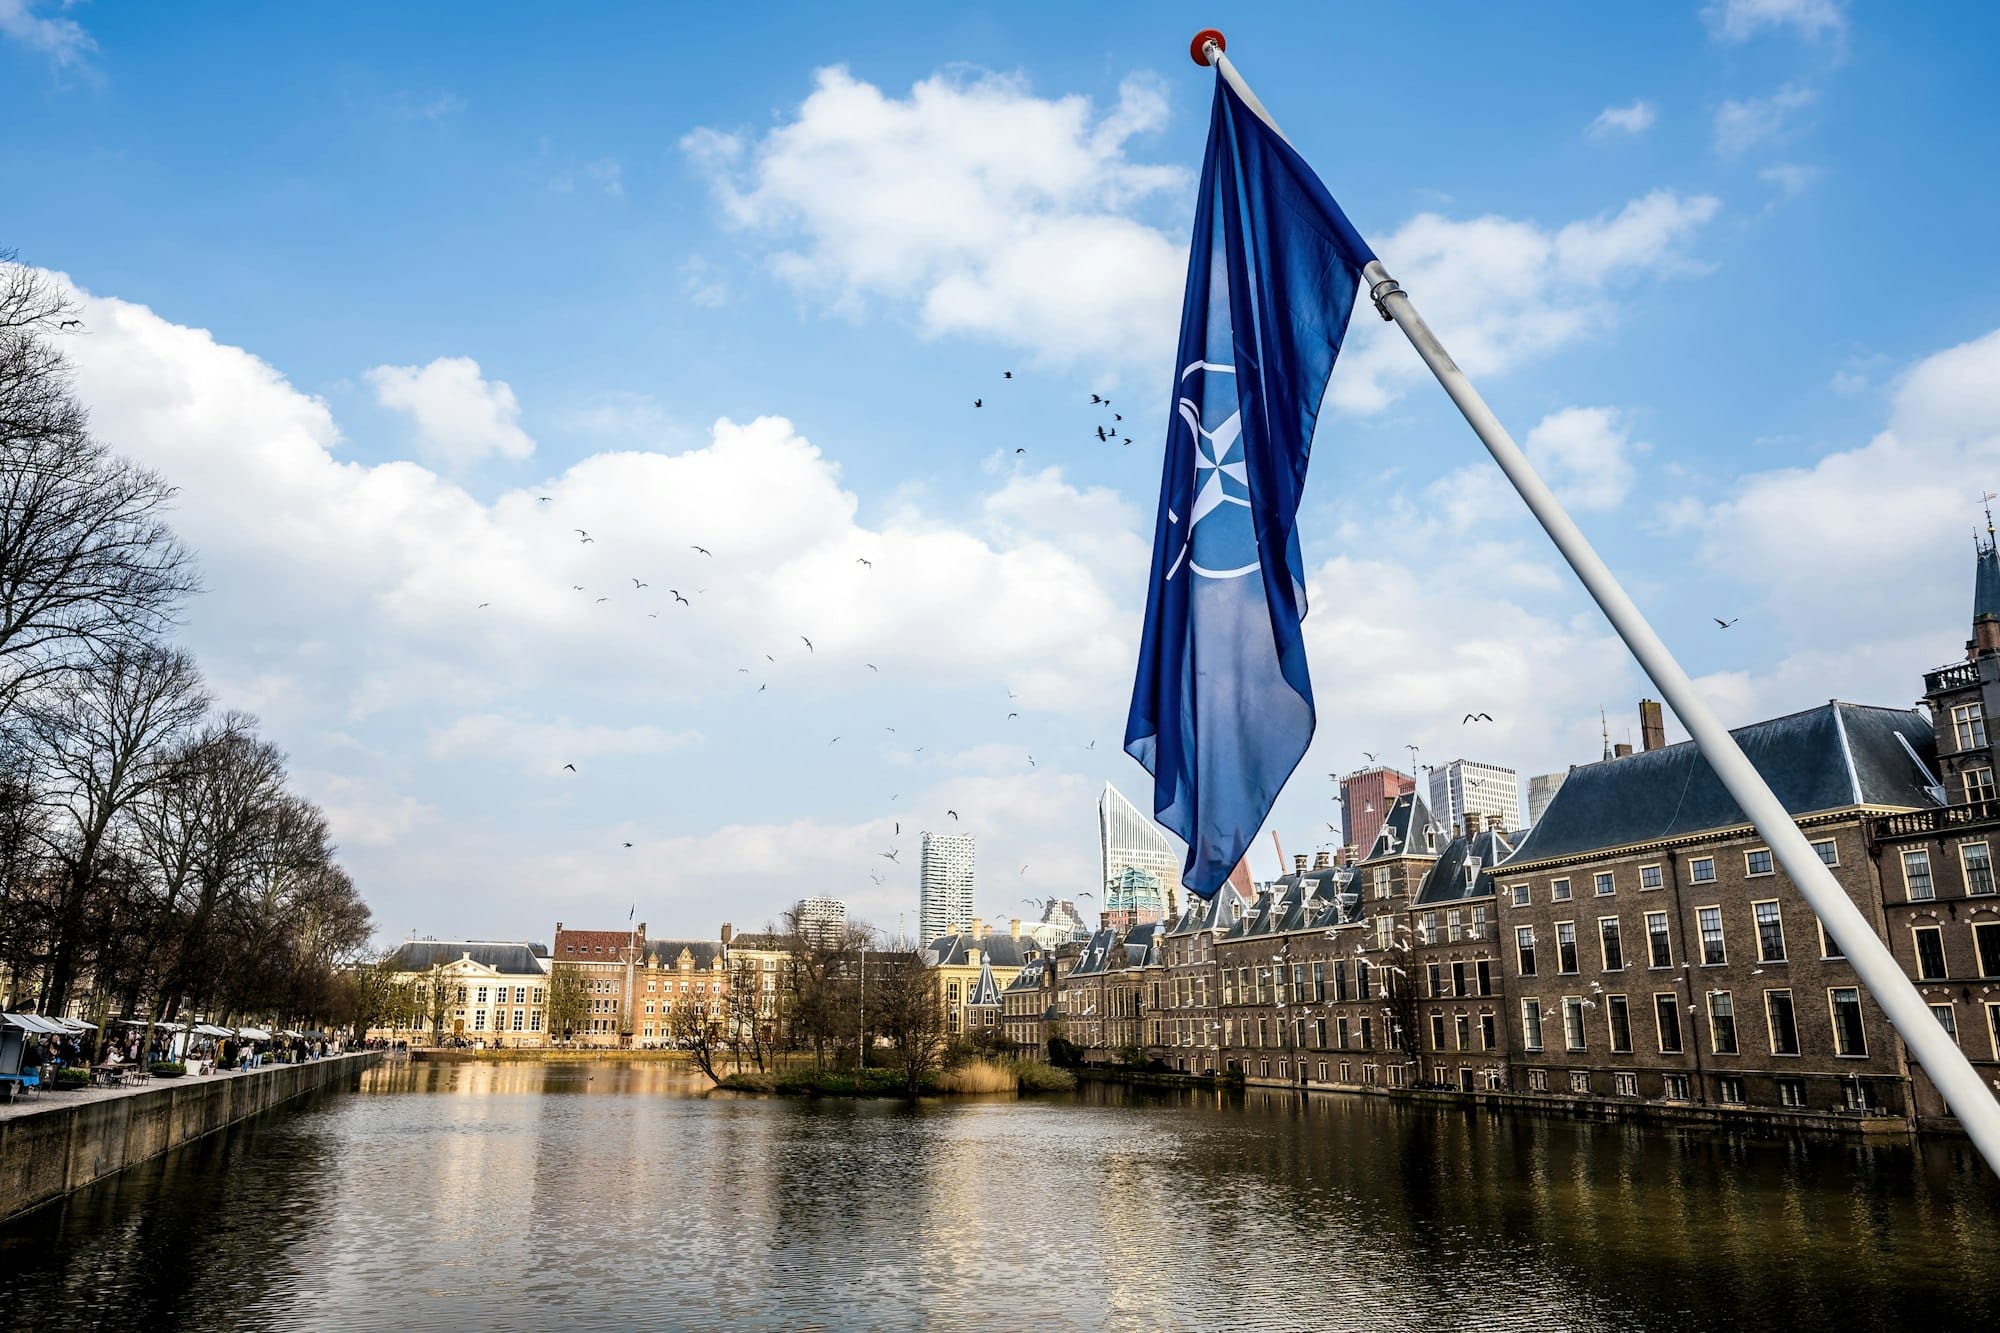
{"x":607,"y":1194}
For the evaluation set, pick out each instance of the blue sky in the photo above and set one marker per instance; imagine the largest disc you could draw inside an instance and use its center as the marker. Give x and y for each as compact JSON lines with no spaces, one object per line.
{"x":365,"y":282}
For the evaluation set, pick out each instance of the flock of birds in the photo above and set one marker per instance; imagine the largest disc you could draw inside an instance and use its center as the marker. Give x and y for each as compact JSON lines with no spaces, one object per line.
{"x":1104,"y":433}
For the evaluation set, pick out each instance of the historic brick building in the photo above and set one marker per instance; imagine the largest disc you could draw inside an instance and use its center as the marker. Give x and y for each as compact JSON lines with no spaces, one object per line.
{"x":1457,"y":965}
{"x":606,"y":961}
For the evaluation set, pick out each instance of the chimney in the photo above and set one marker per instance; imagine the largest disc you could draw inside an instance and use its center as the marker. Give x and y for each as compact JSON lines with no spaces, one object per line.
{"x":727,"y":934}
{"x":1471,"y":823}
{"x":1014,"y":927}
{"x":1299,"y":864}
{"x":978,"y":928}
{"x":1652,"y":725}
{"x":1622,"y":750}
{"x":1323,"y":861}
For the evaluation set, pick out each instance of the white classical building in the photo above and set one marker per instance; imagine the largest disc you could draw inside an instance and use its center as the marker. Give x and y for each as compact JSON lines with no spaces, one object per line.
{"x":1139,"y":870}
{"x":947,"y":880}
{"x":489,"y":992}
{"x":1466,"y":786}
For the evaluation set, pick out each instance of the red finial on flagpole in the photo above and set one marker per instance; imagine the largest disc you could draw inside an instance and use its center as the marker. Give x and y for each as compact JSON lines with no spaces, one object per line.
{"x":1198,"y":48}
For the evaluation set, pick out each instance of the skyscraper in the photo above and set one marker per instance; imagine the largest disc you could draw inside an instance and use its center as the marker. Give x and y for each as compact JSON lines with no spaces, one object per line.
{"x":946,"y":876}
{"x":821,"y":920}
{"x":1466,"y":786}
{"x":1542,"y":790}
{"x":1140,"y":870}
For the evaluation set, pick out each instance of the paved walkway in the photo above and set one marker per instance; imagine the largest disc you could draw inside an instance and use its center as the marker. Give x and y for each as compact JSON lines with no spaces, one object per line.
{"x":48,"y":1099}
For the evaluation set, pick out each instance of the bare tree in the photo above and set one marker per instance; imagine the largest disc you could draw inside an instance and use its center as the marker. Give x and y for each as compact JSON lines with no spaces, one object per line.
{"x":695,"y":1030}
{"x":818,"y":982}
{"x":87,"y":561}
{"x":568,"y":1006}
{"x":903,"y":994}
{"x":101,"y":738}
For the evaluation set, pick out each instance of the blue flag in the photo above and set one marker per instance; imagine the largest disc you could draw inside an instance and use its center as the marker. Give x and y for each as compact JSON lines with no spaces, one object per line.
{"x":1222,"y":711}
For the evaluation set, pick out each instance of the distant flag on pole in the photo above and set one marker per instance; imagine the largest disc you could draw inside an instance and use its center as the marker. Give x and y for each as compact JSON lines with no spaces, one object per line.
{"x":1222,"y":710}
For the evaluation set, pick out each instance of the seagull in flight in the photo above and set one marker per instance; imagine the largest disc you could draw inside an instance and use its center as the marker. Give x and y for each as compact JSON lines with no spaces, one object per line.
{"x":1013,"y":715}
{"x":1477,"y":717}
{"x":889,"y":855}
{"x":483,"y":605}
{"x":570,"y":767}
{"x":836,"y":738}
{"x":543,"y":499}
{"x":864,"y":560}
{"x":576,"y":587}
{"x":637,"y":584}
{"x":1091,"y":746}
{"x":601,"y":599}
{"x":1725,"y":623}
{"x":580,"y":532}
{"x":677,"y":597}
{"x":1369,"y":755}
{"x":1095,"y":399}
{"x":70,"y":324}
{"x":1101,"y":435}
{"x":979,"y":402}
{"x":872,"y":667}
{"x":952,"y":813}
{"x":701,"y":550}
{"x":1006,"y":374}
{"x":898,"y":826}
{"x":628,"y":844}
{"x":1031,"y":761}
{"x":586,"y":541}
{"x":808,"y":643}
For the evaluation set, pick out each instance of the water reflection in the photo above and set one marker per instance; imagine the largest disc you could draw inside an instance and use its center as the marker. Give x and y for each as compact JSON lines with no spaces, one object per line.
{"x":590,"y":1195}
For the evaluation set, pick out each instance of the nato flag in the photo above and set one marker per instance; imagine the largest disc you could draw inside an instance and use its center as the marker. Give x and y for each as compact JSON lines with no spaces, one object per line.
{"x":1222,"y":711}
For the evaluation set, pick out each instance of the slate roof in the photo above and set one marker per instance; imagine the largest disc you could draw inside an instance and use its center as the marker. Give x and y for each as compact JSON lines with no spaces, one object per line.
{"x":574,"y":946}
{"x":1098,"y":956}
{"x":515,"y":959}
{"x":1408,"y":829}
{"x":985,"y":991}
{"x":1142,"y":944}
{"x":1447,"y":881}
{"x":1223,"y":911}
{"x":667,"y":953}
{"x":1000,"y":950}
{"x":1029,"y":977}
{"x":1825,"y":758}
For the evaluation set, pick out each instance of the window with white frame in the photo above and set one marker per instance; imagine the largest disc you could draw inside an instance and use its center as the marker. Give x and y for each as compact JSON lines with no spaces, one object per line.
{"x":1829,"y":852}
{"x":1558,"y":890}
{"x":1618,"y":1017}
{"x":1667,"y":1022}
{"x":1676,"y":1089}
{"x":1565,"y":946}
{"x":1579,"y":1081}
{"x":1659,"y":942}
{"x":1521,"y":895}
{"x":1538,"y":1080}
{"x":1976,"y":858}
{"x":1757,"y":861}
{"x":1604,"y":884}
{"x":1531,"y":1024}
{"x":1943,"y":1014}
{"x":1611,"y":943}
{"x":1968,"y":726}
{"x":1791,"y":1092}
{"x":1978,"y":784}
{"x":1712,"y":949}
{"x":1849,"y":1038}
{"x":1930,"y":952}
{"x":1770,"y":932}
{"x":1729,"y":1091}
{"x":1917,"y":884}
{"x":1649,"y":877}
{"x":1625,"y":1085}
{"x":1721,"y":1022}
{"x":1701,"y":870}
{"x":1781,"y":1023}
{"x":1573,"y":1022}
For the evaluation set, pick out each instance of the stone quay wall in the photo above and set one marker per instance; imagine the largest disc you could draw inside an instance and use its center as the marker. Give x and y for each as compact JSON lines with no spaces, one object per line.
{"x":54,"y":1151}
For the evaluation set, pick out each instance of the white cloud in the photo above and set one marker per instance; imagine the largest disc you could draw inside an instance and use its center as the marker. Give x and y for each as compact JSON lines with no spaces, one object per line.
{"x":461,"y":417}
{"x":1634,"y":120}
{"x":1585,"y":455}
{"x":62,"y":40}
{"x":1865,"y":537}
{"x":1741,"y":126}
{"x":984,"y":208}
{"x":1500,"y":291}
{"x":1740,"y":20}
{"x":1789,"y":178}
{"x":544,"y":747}
{"x":703,"y":283}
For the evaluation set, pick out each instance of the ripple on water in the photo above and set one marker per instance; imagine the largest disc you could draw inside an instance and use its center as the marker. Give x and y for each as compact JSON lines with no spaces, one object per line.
{"x":530,"y":1196}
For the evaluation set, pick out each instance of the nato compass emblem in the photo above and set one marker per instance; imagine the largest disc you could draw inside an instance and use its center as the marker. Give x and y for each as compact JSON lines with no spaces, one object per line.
{"x":1220,"y":543}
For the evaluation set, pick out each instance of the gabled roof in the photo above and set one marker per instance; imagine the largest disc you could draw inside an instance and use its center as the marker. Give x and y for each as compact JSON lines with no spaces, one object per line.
{"x":985,"y":991}
{"x":1029,"y":977}
{"x":1826,"y":758}
{"x":514,"y":959}
{"x":1000,"y":950}
{"x":1407,"y":830}
{"x":1142,"y":944}
{"x":1097,"y":957}
{"x":1447,"y":881}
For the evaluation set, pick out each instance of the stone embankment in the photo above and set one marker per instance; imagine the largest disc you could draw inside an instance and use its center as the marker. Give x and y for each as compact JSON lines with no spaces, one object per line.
{"x":55,"y":1146}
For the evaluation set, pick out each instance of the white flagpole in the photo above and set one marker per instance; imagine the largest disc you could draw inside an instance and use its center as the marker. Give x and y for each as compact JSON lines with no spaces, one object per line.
{"x":1873,"y":964}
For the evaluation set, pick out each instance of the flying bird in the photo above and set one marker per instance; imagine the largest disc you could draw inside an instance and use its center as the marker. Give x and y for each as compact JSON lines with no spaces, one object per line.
{"x":836,"y":738}
{"x":586,"y":541}
{"x":580,"y":532}
{"x":1091,"y":746}
{"x":628,"y":844}
{"x":808,"y":643}
{"x":677,"y":597}
{"x":1031,"y":761}
{"x":1006,"y":374}
{"x":952,"y":813}
{"x":1369,"y":755}
{"x":69,"y":324}
{"x":1117,"y":416}
{"x":1013,"y":715}
{"x":1095,"y":399}
{"x":576,"y":587}
{"x":1477,"y":717}
{"x":701,"y":550}
{"x":889,"y":855}
{"x":864,"y":560}
{"x":601,"y":599}
{"x":543,"y":499}
{"x":1020,"y":451}
{"x":899,"y":826}
{"x":762,"y":688}
{"x":979,"y":402}
{"x":1102,"y":435}
{"x":637,"y":584}
{"x":1725,"y":623}
{"x":652,"y":615}
{"x":872,"y":667}
{"x":570,"y":767}
{"x":483,"y":605}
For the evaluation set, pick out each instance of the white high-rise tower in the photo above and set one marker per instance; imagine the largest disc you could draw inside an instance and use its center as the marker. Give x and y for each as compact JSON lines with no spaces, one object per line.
{"x":1466,"y":786}
{"x":1141,"y":871}
{"x":946,"y":875}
